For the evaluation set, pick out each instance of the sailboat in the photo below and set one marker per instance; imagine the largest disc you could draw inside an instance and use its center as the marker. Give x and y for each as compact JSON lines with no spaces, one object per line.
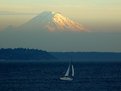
{"x":69,"y":74}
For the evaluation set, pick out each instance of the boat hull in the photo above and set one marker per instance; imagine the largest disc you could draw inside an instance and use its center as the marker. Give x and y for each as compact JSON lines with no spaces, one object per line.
{"x":66,"y":78}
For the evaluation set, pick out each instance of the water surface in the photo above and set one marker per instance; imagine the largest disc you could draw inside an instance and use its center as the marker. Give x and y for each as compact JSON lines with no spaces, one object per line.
{"x":39,"y":76}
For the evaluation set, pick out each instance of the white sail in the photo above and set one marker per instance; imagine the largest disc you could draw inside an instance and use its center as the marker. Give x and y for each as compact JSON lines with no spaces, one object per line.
{"x":72,"y":70}
{"x":67,"y":72}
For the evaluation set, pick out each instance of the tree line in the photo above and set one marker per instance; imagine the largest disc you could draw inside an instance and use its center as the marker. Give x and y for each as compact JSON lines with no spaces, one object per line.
{"x":24,"y":54}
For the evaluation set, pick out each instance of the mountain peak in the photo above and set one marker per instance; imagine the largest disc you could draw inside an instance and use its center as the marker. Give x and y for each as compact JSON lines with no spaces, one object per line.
{"x":54,"y":21}
{"x":50,"y":12}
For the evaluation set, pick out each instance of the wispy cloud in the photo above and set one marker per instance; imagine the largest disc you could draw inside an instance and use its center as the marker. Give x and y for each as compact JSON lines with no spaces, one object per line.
{"x":15,"y":13}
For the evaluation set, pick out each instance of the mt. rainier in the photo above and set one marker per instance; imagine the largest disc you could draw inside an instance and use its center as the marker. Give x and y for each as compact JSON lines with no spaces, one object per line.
{"x":52,"y":21}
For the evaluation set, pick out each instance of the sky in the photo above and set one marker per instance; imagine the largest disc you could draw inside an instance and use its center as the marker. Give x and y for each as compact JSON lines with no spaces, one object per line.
{"x":96,"y":15}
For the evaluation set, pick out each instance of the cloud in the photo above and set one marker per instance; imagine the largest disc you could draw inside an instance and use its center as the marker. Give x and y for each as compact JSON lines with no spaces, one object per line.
{"x":15,"y":13}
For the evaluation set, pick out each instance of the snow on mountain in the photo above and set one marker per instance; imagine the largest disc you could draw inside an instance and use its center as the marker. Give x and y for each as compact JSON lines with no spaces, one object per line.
{"x":53,"y":21}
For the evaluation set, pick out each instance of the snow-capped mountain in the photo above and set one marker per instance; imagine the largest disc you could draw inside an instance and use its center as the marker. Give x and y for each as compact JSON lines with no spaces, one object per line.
{"x":52,"y":21}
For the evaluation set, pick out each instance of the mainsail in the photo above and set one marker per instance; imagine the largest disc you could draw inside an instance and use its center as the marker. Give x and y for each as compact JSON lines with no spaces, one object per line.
{"x":67,"y":72}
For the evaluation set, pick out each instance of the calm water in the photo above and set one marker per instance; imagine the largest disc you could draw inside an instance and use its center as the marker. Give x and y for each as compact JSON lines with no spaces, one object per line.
{"x":45,"y":77}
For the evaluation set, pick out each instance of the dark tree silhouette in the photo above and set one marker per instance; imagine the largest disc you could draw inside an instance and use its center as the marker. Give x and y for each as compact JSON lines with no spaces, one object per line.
{"x":24,"y":54}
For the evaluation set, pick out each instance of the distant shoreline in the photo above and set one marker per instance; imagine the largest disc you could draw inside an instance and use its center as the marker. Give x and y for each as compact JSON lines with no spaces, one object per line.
{"x":25,"y":55}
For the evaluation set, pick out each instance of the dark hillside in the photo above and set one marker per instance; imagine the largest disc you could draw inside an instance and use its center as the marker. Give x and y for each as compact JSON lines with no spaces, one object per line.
{"x":24,"y":54}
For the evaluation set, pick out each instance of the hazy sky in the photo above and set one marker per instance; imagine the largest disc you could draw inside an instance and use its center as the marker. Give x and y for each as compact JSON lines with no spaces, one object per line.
{"x":110,"y":9}
{"x":96,"y":15}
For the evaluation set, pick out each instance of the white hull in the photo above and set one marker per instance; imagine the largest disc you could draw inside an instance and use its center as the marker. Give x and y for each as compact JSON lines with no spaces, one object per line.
{"x":66,"y":78}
